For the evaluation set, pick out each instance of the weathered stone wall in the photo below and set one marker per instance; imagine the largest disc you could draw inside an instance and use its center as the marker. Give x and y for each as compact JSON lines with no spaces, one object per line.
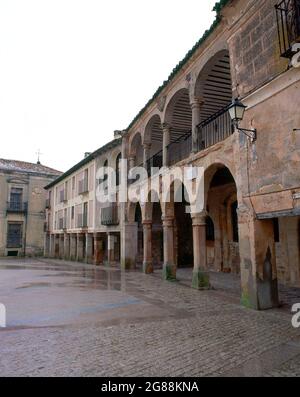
{"x":254,"y":46}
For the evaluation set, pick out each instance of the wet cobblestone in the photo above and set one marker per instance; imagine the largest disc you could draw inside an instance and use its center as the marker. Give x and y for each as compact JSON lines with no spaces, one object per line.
{"x":171,"y":330}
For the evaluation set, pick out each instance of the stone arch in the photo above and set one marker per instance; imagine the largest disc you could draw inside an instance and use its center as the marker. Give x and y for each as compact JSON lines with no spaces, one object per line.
{"x":213,"y":85}
{"x":136,"y":148}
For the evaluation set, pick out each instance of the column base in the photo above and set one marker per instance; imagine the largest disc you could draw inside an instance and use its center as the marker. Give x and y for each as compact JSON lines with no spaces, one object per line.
{"x":201,"y":280}
{"x":148,"y":268}
{"x":127,"y":264}
{"x":169,"y":273}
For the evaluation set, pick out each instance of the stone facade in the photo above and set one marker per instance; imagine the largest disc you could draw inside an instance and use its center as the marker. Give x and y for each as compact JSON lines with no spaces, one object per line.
{"x":250,"y":220}
{"x":22,"y":207}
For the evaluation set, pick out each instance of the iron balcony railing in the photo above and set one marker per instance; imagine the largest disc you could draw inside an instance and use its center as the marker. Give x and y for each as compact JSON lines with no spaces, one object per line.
{"x":215,"y":129}
{"x":288,"y":25}
{"x":110,"y":215}
{"x":180,"y":149}
{"x":17,"y":206}
{"x":155,"y":161}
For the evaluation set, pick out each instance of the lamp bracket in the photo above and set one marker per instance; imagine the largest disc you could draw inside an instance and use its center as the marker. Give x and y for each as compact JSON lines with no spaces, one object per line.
{"x":252,"y":134}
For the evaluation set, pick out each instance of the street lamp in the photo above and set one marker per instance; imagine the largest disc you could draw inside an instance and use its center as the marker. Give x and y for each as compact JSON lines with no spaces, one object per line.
{"x":237,"y":111}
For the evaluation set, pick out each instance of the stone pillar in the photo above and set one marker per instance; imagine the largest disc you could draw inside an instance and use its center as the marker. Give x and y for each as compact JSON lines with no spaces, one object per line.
{"x":169,"y":268}
{"x":47,"y":245}
{"x":147,"y":149}
{"x":129,"y":245}
{"x":57,"y":246}
{"x":110,"y":249}
{"x":258,"y":261}
{"x":200,"y":272}
{"x":131,"y":162}
{"x":67,"y":246}
{"x":52,"y":246}
{"x":61,"y":246}
{"x":80,"y":248}
{"x":73,"y":247}
{"x":89,"y":248}
{"x":98,"y":249}
{"x":196,"y":104}
{"x":166,"y":142}
{"x":148,"y":260}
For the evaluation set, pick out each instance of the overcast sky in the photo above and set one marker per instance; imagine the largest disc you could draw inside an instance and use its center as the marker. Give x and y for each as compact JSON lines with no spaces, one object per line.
{"x":73,"y":71}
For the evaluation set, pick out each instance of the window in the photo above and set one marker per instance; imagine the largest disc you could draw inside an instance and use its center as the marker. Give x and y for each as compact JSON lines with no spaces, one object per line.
{"x":14,"y":235}
{"x":85,"y":215}
{"x":16,"y":198}
{"x":73,"y":183}
{"x":118,"y":165}
{"x":72,"y":213}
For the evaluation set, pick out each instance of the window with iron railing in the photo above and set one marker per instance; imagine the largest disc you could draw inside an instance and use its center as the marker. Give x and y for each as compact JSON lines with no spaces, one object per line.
{"x":17,"y":206}
{"x":288,"y":25}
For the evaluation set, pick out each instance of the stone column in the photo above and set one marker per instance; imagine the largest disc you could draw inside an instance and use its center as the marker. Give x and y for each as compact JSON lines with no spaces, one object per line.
{"x":129,"y":245}
{"x":61,"y":246}
{"x":166,"y":142}
{"x":57,"y":246}
{"x":147,"y":149}
{"x":52,"y":246}
{"x":131,"y":162}
{"x":98,"y":249}
{"x":110,"y":249}
{"x":89,"y":248}
{"x":196,"y":104}
{"x":80,"y":248}
{"x":258,"y":261}
{"x":46,"y":245}
{"x":169,"y":269}
{"x":200,"y":272}
{"x":148,"y":260}
{"x":73,"y":247}
{"x":67,"y":246}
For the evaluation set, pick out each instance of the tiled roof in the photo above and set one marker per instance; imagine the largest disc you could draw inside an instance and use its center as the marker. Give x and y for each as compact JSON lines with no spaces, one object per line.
{"x":218,"y":7}
{"x":23,"y":166}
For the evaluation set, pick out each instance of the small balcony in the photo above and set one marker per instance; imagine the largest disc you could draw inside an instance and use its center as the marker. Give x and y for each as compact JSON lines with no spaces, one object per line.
{"x":17,"y":207}
{"x":83,"y":186}
{"x":48,"y":204}
{"x":288,"y":25}
{"x":110,"y":216}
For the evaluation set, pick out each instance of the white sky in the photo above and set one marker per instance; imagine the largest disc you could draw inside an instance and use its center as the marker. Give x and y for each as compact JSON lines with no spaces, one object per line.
{"x":73,"y":71}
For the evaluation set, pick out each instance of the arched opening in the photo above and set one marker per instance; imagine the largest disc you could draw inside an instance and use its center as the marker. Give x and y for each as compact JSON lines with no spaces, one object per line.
{"x":153,"y":137}
{"x":222,"y":221}
{"x":118,"y":169}
{"x":214,"y":90}
{"x":179,"y":118}
{"x":136,"y":152}
{"x":183,"y":231}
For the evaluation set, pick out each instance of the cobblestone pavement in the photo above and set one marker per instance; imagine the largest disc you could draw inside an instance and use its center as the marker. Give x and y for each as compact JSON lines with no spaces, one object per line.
{"x":75,"y":320}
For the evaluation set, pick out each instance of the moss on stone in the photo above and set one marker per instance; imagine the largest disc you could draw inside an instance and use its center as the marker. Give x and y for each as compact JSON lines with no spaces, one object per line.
{"x":169,"y":273}
{"x":201,"y":280}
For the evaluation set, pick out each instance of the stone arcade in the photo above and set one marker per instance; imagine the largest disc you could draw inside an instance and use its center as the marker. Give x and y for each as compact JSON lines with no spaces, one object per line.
{"x":251,"y":222}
